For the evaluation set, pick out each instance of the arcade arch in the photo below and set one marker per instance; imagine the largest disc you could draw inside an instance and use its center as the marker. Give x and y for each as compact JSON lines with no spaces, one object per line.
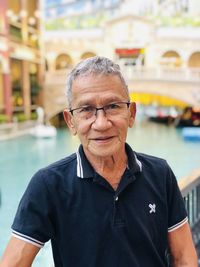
{"x":171,"y":59}
{"x":63,"y":61}
{"x":87,"y":55}
{"x":194,"y":60}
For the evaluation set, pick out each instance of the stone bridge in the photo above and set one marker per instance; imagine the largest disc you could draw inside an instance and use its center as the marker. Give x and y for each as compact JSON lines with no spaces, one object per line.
{"x":179,"y":84}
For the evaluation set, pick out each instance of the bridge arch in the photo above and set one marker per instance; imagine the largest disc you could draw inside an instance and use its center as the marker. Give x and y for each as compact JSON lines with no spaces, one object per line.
{"x":175,"y":86}
{"x":183,"y":92}
{"x":194,"y":60}
{"x":63,"y":61}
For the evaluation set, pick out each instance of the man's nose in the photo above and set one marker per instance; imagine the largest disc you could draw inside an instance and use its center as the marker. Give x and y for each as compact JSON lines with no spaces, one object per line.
{"x":97,"y":109}
{"x":101,"y":122}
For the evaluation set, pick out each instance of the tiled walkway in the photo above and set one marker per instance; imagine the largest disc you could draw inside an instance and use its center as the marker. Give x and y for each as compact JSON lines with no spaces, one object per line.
{"x":12,"y":130}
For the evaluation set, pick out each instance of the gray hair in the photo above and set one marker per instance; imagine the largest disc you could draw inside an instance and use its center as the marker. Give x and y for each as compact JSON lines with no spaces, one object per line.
{"x":93,"y":65}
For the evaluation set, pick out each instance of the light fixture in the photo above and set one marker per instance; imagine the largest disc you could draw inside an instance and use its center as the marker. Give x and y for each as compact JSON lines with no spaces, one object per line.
{"x":9,"y":13}
{"x":3,"y":46}
{"x":23,"y":13}
{"x":34,"y":37}
{"x":14,"y":18}
{"x":32,"y":21}
{"x":37,"y":14}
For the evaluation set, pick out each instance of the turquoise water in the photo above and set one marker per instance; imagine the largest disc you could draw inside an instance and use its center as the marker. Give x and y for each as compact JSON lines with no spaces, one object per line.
{"x":21,"y":157}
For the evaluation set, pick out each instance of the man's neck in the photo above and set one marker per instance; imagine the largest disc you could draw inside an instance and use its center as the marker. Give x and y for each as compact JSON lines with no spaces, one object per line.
{"x":111,"y":168}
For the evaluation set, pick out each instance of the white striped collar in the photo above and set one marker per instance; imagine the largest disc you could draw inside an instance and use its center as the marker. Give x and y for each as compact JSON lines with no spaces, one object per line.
{"x":138,"y":162}
{"x":79,"y":165}
{"x":85,"y":170}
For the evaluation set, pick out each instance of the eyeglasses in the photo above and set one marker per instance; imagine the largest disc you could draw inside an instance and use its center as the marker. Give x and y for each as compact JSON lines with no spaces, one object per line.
{"x":110,"y":110}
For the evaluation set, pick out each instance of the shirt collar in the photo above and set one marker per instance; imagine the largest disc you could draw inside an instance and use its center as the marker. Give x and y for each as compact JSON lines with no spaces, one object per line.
{"x":85,"y":170}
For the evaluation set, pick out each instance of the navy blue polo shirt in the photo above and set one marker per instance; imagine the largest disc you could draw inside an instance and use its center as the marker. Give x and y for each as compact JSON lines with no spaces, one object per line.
{"x":92,"y":225}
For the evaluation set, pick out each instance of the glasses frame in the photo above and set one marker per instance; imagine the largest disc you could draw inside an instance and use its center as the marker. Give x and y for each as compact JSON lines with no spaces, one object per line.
{"x":128,"y":103}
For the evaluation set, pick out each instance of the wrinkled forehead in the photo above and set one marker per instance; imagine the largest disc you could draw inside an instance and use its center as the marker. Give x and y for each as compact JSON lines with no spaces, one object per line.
{"x":99,"y":86}
{"x":101,"y":78}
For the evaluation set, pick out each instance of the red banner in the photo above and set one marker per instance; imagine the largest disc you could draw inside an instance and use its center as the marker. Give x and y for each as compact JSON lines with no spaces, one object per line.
{"x":127,"y":51}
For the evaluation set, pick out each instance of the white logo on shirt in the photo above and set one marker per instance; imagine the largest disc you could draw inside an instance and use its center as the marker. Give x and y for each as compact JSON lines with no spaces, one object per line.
{"x":152,"y":208}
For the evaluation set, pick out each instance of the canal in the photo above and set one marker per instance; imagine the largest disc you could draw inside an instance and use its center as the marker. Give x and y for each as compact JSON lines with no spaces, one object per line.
{"x":21,"y":157}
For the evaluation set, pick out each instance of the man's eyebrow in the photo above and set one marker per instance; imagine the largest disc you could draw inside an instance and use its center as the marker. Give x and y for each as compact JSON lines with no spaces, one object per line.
{"x":84,"y":103}
{"x":88,"y":102}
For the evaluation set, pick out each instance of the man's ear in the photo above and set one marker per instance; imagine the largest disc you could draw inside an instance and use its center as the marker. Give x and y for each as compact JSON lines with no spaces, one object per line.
{"x":132,"y":114}
{"x":69,"y":121}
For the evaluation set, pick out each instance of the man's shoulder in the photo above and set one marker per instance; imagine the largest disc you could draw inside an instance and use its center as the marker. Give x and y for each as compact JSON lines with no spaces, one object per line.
{"x":150,"y":161}
{"x":150,"y":158}
{"x":63,"y":163}
{"x":59,"y":171}
{"x":156,"y":171}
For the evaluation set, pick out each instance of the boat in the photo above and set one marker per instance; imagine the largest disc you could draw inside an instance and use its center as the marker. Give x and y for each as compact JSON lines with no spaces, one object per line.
{"x":165,"y":115}
{"x":191,"y":133}
{"x":43,"y":131}
{"x":189,"y":118}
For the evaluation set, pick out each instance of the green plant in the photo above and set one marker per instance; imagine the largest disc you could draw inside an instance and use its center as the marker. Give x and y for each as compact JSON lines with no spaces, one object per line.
{"x":34,"y":115}
{"x":35,"y":88}
{"x":21,"y":117}
{"x":3,"y":118}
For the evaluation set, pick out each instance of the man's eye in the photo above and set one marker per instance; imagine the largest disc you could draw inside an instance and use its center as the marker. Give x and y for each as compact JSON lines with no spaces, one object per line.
{"x":113,"y":106}
{"x":86,"y":109}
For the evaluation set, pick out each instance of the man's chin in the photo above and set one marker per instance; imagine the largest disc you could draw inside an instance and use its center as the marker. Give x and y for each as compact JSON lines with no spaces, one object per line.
{"x":104,"y":151}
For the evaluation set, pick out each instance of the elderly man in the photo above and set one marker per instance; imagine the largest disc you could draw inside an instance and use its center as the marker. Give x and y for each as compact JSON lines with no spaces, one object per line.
{"x":106,"y":205}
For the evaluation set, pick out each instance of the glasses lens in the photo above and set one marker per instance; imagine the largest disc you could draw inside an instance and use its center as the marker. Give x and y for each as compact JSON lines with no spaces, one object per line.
{"x":115,"y":108}
{"x":85,"y":112}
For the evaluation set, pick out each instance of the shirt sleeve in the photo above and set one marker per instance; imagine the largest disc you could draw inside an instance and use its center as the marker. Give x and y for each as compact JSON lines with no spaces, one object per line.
{"x":33,"y":219}
{"x":177,"y":215}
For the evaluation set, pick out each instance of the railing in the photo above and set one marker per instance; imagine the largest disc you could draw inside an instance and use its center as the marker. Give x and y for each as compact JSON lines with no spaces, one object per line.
{"x":190,"y":188}
{"x":162,"y":74}
{"x":137,"y":73}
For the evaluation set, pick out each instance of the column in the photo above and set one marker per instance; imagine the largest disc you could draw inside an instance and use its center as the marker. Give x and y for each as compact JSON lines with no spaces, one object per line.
{"x":26,"y":88}
{"x":7,"y":86}
{"x":7,"y":95}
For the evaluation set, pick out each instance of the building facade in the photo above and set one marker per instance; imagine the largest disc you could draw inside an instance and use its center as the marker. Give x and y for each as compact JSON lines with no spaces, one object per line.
{"x":21,"y":59}
{"x":149,"y":53}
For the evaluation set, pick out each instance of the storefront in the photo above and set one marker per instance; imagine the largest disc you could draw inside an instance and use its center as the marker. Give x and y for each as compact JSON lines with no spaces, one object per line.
{"x":131,"y":56}
{"x":21,"y":59}
{"x":5,"y":90}
{"x":26,"y":81}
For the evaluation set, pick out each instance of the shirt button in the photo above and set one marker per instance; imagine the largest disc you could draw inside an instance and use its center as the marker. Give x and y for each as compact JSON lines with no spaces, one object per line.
{"x":116,"y":199}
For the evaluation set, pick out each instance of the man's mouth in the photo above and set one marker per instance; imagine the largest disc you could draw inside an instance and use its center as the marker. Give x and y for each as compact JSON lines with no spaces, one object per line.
{"x":103,"y":138}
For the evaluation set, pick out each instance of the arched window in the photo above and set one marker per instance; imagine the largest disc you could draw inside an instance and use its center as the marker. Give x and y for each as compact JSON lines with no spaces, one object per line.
{"x":63,"y":61}
{"x":194,"y":60}
{"x":87,"y":55}
{"x":171,"y":59}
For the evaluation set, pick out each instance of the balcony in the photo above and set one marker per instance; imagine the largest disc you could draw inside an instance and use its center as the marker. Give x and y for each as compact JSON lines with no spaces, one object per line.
{"x":162,"y":74}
